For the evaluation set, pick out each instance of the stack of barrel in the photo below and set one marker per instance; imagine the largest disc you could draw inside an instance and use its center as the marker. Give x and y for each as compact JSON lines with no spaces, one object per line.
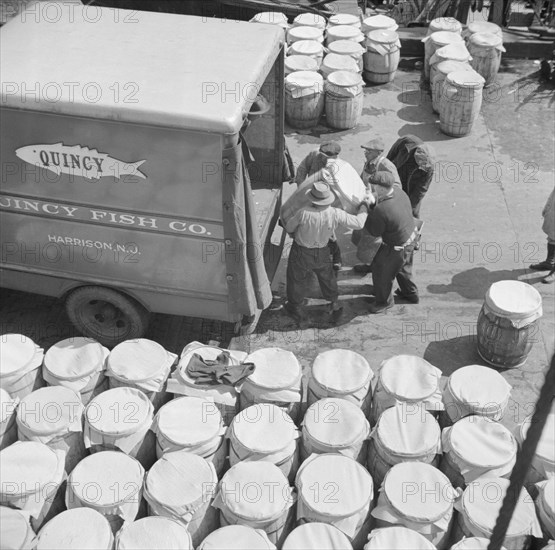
{"x":125,"y":449}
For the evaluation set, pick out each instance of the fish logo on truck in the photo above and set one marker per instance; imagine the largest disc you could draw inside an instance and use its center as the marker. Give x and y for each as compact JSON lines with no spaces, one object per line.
{"x":78,"y":161}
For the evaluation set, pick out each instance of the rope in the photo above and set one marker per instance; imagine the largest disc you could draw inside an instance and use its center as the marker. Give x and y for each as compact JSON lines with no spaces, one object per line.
{"x":524,"y":459}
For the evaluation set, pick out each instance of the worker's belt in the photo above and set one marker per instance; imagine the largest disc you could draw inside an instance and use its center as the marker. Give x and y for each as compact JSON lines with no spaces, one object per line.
{"x":414,"y":235}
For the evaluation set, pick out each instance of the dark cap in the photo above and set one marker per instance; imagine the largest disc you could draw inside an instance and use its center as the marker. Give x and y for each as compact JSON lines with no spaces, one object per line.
{"x":383,"y":179}
{"x":330,"y":148}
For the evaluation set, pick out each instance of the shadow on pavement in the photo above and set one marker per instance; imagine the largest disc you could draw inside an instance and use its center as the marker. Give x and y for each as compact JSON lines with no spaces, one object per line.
{"x":449,"y":355}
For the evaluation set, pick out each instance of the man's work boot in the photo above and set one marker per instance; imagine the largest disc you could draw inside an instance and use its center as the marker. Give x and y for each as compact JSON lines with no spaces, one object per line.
{"x":548,"y":263}
{"x":380,"y":308}
{"x":335,"y":311}
{"x":411,"y":298}
{"x":363,"y":269}
{"x":550,"y":278}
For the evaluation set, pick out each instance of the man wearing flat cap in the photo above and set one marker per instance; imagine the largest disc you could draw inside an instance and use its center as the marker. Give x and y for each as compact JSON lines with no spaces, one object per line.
{"x":376,"y":161}
{"x":311,"y":228}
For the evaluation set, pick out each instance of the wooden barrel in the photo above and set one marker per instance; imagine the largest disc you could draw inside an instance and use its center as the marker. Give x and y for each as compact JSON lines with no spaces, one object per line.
{"x":482,"y":26}
{"x":448,"y":24}
{"x":476,"y":446}
{"x":304,"y":99}
{"x":382,"y":56}
{"x":311,"y":536}
{"x":435,"y":41}
{"x":8,"y":424}
{"x":237,"y":537}
{"x":153,"y":532}
{"x":80,"y":527}
{"x":20,"y":362}
{"x":271,"y":18}
{"x":295,"y":34}
{"x":486,"y":50}
{"x":543,"y":463}
{"x":300,"y":63}
{"x":324,"y":481}
{"x":397,"y":537}
{"x":344,"y":99}
{"x":310,"y":48}
{"x":350,"y":48}
{"x":378,"y":22}
{"x":333,"y":62}
{"x":417,"y":496}
{"x":438,"y":72}
{"x":344,"y":19}
{"x":545,"y":505}
{"x":479,"y":507}
{"x":257,"y":495}
{"x":181,"y":486}
{"x":343,"y":32}
{"x":508,"y":323}
{"x":16,"y":532}
{"x":309,"y":20}
{"x":473,"y":543}
{"x":452,"y":52}
{"x":460,"y":102}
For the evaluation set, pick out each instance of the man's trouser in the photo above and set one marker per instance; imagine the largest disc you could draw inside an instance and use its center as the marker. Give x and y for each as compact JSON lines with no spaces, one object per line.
{"x":300,"y":266}
{"x":389,"y":264}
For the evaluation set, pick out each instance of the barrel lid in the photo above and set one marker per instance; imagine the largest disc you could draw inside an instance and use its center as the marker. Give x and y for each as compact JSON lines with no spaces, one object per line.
{"x":306,"y":47}
{"x":310,"y":20}
{"x":445,"y":37}
{"x":189,"y":421}
{"x":317,"y":535}
{"x":482,"y":500}
{"x":481,"y":441}
{"x":472,"y":543}
{"x":275,"y":368}
{"x":15,"y":530}
{"x":349,"y":47}
{"x":383,"y":36}
{"x":82,"y":528}
{"x":345,"y":32}
{"x":50,"y":410}
{"x":337,"y":62}
{"x":264,"y":490}
{"x":137,"y":360}
{"x":546,"y":444}
{"x":486,"y":39}
{"x":341,"y":370}
{"x":380,"y":22}
{"x":431,"y":495}
{"x":272,"y":17}
{"x":75,"y":357}
{"x":16,"y":352}
{"x":409,"y":377}
{"x":264,"y":428}
{"x":306,"y":33}
{"x":27,"y":465}
{"x":408,"y":432}
{"x":466,"y":79}
{"x":484,"y":26}
{"x":301,"y":63}
{"x":237,"y":537}
{"x":344,"y":78}
{"x":350,"y":483}
{"x":344,"y":19}
{"x":8,"y":405}
{"x":449,"y":24}
{"x":513,"y":299}
{"x":154,"y":532}
{"x":180,"y":478}
{"x":304,"y":79}
{"x":119,"y":411}
{"x":456,"y":52}
{"x":335,"y":422}
{"x":450,"y":66}
{"x":397,"y":537}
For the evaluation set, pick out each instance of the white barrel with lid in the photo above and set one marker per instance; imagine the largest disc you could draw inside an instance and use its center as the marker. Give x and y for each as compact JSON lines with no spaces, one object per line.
{"x":438,"y":72}
{"x":54,"y":416}
{"x":154,"y":532}
{"x":16,"y":532}
{"x":258,"y":495}
{"x":20,"y":361}
{"x":543,"y":463}
{"x":181,"y":486}
{"x":333,"y":62}
{"x":476,"y":446}
{"x":276,"y":380}
{"x":120,"y":419}
{"x":453,"y":52}
{"x":397,"y":537}
{"x":309,"y":20}
{"x":77,"y":364}
{"x":300,"y":63}
{"x":486,"y":50}
{"x":317,"y":536}
{"x":350,"y":48}
{"x":225,"y":396}
{"x":545,"y":506}
{"x":141,"y":364}
{"x":343,"y":32}
{"x":77,"y":529}
{"x":382,"y":56}
{"x":334,"y":425}
{"x":344,"y":19}
{"x":479,"y":507}
{"x":192,"y":424}
{"x":344,"y":99}
{"x":109,"y":482}
{"x":378,"y":22}
{"x":449,"y":24}
{"x":403,"y":435}
{"x":473,"y":543}
{"x":237,"y":537}
{"x":435,"y":41}
{"x":482,"y":26}
{"x":460,"y":104}
{"x":475,"y":389}
{"x":406,"y":379}
{"x":295,"y":34}
{"x":304,"y":99}
{"x":310,"y":48}
{"x":336,"y":490}
{"x":265,"y":432}
{"x":508,"y":322}
{"x":341,"y":373}
{"x":32,"y":474}
{"x":8,"y":424}
{"x":271,"y":18}
{"x":417,"y":496}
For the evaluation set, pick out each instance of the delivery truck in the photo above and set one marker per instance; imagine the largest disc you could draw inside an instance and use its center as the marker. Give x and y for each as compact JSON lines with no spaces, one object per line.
{"x":141,"y":158}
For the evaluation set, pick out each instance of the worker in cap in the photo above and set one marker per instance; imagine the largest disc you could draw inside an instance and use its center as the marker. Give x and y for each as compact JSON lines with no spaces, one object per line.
{"x":311,"y":228}
{"x":376,"y":161}
{"x":391,"y":219}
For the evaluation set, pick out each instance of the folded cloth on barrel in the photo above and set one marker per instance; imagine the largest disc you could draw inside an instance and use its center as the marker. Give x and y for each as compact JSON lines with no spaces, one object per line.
{"x":218,"y":371}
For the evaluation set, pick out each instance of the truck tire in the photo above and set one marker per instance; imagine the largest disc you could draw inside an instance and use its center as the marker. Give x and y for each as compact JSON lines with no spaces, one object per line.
{"x":108,"y":316}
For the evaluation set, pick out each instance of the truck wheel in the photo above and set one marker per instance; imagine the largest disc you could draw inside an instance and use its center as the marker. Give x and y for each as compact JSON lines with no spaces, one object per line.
{"x":106,"y":315}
